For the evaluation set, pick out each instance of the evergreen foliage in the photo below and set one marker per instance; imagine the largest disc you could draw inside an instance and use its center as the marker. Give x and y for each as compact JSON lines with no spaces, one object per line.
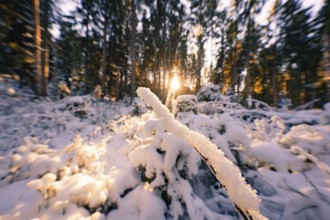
{"x":125,"y":44}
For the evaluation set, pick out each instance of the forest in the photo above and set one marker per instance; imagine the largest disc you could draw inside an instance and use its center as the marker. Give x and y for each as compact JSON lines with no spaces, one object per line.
{"x":113,"y":47}
{"x":163,"y":109}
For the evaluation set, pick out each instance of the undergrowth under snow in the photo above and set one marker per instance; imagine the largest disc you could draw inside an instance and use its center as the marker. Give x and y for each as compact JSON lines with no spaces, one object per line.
{"x":81,"y":158}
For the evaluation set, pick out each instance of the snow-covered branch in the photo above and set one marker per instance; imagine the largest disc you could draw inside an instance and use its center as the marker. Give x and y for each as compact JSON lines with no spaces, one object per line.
{"x":225,"y":171}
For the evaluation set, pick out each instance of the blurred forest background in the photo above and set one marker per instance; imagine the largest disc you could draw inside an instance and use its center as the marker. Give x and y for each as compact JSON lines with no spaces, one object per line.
{"x":111,"y":47}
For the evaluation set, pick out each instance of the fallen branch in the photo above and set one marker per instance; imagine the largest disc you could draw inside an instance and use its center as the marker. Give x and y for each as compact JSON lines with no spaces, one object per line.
{"x":243,"y":196}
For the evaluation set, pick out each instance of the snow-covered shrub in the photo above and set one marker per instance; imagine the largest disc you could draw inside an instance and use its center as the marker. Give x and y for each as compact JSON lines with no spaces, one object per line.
{"x":266,"y":130}
{"x":210,"y":93}
{"x":74,"y":103}
{"x":167,"y":164}
{"x":312,"y":139}
{"x":139,"y":107}
{"x":48,"y":120}
{"x":186,"y":103}
{"x":284,"y":103}
{"x":235,"y":185}
{"x":284,"y":160}
{"x":28,"y":161}
{"x":211,"y":101}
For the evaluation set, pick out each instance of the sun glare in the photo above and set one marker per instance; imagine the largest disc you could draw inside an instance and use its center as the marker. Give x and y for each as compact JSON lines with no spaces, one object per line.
{"x":175,"y":84}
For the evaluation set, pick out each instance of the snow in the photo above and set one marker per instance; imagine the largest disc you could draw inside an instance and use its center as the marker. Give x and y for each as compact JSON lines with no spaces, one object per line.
{"x":241,"y":193}
{"x":84,"y":158}
{"x":273,"y":154}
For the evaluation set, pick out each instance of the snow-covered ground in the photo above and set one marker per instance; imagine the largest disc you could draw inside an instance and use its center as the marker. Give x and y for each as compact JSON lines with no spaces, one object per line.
{"x":82,"y":158}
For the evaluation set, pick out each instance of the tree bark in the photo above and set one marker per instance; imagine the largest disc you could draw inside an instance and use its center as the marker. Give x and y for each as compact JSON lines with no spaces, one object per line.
{"x":199,"y":63}
{"x":45,"y":50}
{"x":132,"y":47}
{"x":326,"y":64}
{"x":104,"y":55}
{"x":91,"y":82}
{"x":37,"y":53}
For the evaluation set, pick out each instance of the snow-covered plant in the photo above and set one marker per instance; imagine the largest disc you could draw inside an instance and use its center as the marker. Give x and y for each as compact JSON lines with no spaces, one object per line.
{"x":241,"y":194}
{"x":139,"y":107}
{"x":167,"y":164}
{"x":186,"y":103}
{"x":284,"y":103}
{"x":210,"y":93}
{"x":266,"y":130}
{"x":29,"y":160}
{"x":309,"y":138}
{"x":122,"y":165}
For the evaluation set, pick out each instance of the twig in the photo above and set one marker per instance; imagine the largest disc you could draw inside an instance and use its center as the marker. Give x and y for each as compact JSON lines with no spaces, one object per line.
{"x":292,"y":189}
{"x":323,"y":198}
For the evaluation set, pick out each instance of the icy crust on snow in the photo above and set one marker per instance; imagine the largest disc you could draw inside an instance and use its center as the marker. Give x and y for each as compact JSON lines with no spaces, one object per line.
{"x":226,"y":172}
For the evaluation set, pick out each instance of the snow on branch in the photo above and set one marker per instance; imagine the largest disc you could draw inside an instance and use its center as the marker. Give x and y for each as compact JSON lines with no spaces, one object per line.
{"x":225,"y":171}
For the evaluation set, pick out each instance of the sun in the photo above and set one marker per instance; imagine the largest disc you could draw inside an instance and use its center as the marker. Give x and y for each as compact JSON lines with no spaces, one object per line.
{"x":175,"y":83}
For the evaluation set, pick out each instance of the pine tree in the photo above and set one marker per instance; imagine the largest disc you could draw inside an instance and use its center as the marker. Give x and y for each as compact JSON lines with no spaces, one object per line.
{"x":251,"y":44}
{"x":69,"y":62}
{"x":325,"y":43}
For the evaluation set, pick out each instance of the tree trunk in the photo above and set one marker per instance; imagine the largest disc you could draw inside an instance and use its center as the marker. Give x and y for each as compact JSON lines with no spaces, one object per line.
{"x":166,"y":68}
{"x":302,"y":87}
{"x":132,"y":47}
{"x":37,"y":53}
{"x":90,"y":82}
{"x":45,"y":50}
{"x":326,"y":64}
{"x":104,"y":55}
{"x":199,"y":63}
{"x":247,"y":65}
{"x":274,"y":80}
{"x":117,"y":75}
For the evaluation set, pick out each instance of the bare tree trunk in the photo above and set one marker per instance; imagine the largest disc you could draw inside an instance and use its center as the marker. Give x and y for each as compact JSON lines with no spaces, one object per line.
{"x":247,"y":65}
{"x":234,"y":70}
{"x":45,"y":50}
{"x":326,"y":65}
{"x":166,"y":68}
{"x":302,"y":88}
{"x":199,"y":63}
{"x":90,"y":82}
{"x":274,"y":80}
{"x":117,"y":75}
{"x":104,"y":55}
{"x":132,"y":47}
{"x":275,"y":87}
{"x":37,"y":54}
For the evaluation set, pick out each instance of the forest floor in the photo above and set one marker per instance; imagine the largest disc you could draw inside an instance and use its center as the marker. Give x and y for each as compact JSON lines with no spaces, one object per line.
{"x":83,"y":158}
